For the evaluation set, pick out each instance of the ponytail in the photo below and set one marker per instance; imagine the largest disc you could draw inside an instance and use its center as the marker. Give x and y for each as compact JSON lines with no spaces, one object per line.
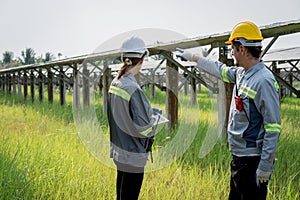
{"x":122,"y":71}
{"x":127,"y":64}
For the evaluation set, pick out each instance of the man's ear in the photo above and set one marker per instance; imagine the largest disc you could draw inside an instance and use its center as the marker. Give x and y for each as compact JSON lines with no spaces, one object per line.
{"x":243,"y":50}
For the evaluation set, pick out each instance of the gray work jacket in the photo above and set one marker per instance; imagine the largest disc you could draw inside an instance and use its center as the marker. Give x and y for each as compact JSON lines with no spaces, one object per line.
{"x":130,"y":121}
{"x":253,"y":131}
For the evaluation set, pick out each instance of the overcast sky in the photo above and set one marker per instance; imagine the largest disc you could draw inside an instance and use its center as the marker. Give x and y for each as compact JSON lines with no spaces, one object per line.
{"x":77,"y":27}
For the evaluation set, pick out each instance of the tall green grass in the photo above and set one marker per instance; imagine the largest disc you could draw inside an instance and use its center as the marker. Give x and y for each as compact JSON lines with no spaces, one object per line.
{"x":42,"y":156}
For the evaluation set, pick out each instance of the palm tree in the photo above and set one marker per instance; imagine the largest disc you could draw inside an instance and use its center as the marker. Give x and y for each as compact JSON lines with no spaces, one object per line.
{"x":49,"y":56}
{"x":7,"y":57}
{"x":28,"y":56}
{"x":59,"y":55}
{"x":39,"y":59}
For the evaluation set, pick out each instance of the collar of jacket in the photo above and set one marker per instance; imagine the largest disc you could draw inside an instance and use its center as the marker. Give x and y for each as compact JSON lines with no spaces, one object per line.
{"x":254,"y":69}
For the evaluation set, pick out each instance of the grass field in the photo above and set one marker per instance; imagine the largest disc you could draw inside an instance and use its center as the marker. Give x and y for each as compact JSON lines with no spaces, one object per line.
{"x":42,"y":156}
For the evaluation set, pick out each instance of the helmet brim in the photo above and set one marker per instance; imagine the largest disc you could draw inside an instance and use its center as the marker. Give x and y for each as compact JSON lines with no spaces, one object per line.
{"x":228,"y":42}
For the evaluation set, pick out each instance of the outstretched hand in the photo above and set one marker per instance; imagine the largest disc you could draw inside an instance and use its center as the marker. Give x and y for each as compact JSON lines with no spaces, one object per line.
{"x":185,"y":55}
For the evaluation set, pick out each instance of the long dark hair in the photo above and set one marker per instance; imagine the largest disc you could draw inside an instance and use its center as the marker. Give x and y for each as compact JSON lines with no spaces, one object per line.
{"x":133,"y":62}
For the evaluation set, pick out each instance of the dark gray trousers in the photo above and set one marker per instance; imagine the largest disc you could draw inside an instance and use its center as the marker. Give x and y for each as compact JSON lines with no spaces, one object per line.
{"x":243,"y":184}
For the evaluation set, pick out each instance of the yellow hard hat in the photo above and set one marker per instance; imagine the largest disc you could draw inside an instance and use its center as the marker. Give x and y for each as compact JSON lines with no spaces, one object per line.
{"x":247,"y":30}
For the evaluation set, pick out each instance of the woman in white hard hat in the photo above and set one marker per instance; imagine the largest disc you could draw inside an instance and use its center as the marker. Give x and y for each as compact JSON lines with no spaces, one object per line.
{"x":130,"y":121}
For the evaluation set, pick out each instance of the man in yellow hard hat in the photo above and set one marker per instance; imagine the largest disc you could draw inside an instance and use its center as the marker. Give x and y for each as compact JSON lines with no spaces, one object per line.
{"x":254,"y":119}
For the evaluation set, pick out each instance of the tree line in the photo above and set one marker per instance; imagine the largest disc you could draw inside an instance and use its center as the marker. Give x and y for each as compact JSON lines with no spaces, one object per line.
{"x":28,"y":56}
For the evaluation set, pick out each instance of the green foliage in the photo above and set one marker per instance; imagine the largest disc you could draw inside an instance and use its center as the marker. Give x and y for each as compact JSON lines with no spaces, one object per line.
{"x":28,"y":56}
{"x":8,"y":57}
{"x":42,"y":156}
{"x":48,"y":57}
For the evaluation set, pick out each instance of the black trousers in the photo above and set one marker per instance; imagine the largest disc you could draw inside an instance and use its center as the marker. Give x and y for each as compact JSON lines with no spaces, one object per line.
{"x":129,"y":185}
{"x":129,"y":181}
{"x":243,"y":184}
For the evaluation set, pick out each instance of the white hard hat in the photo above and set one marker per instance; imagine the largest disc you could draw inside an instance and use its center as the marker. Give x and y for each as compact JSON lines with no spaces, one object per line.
{"x":134,"y":47}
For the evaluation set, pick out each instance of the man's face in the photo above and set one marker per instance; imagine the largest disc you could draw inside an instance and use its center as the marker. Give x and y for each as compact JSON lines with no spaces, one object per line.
{"x":236,"y":52}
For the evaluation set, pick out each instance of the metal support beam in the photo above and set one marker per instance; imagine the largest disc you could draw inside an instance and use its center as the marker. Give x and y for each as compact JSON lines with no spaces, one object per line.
{"x":41,"y":85}
{"x":76,"y":90}
{"x":25,"y":85}
{"x":172,"y":92}
{"x":185,"y":84}
{"x":282,"y":82}
{"x":32,"y":92}
{"x":86,"y":86}
{"x":269,"y":46}
{"x":50,"y":86}
{"x":62,"y":87}
{"x":9,"y":83}
{"x":19,"y":84}
{"x":14,"y":78}
{"x":193,"y":90}
{"x":223,"y":57}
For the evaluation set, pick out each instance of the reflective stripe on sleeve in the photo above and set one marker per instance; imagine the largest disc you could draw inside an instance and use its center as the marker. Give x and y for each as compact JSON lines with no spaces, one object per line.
{"x":272,"y":127}
{"x":119,"y":92}
{"x":276,"y":86}
{"x":224,"y":74}
{"x":145,"y":132}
